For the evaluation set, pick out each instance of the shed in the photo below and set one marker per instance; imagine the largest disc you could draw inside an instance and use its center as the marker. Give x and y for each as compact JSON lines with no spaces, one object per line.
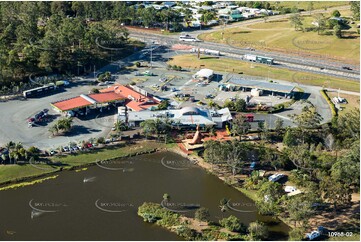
{"x":204,"y":74}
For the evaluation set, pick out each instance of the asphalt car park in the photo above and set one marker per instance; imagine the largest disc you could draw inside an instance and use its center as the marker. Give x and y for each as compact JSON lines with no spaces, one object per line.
{"x":16,"y":114}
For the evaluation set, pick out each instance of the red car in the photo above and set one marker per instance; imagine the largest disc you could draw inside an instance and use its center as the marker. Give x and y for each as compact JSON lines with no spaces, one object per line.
{"x":89,"y":145}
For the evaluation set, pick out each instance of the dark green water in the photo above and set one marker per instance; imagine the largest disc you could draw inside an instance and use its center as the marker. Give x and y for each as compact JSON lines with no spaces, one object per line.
{"x":67,"y":208}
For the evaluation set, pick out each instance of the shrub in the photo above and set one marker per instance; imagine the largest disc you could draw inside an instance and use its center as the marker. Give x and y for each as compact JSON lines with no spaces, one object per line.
{"x":152,"y":212}
{"x":202,"y":214}
{"x":231,"y":223}
{"x":101,"y":140}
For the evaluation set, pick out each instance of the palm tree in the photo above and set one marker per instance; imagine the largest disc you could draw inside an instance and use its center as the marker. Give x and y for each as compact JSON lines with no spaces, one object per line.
{"x":9,"y":146}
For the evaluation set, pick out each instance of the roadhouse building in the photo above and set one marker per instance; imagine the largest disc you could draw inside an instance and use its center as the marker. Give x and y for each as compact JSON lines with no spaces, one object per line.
{"x":134,"y":98}
{"x":185,"y":117}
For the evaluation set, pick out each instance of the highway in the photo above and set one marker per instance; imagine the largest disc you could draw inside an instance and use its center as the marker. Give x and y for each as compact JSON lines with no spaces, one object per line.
{"x":317,"y":65}
{"x":293,"y":63}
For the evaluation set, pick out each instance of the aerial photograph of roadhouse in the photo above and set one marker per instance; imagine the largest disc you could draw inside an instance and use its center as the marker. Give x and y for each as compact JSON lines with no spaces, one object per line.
{"x":179,"y":120}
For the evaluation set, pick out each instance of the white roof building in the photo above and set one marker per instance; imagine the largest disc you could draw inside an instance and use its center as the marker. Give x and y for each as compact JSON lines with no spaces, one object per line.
{"x":187,"y":116}
{"x":204,"y":74}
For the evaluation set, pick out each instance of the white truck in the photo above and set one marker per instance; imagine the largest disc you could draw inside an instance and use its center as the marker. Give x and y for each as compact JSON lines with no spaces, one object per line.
{"x":250,"y":57}
{"x":206,"y":51}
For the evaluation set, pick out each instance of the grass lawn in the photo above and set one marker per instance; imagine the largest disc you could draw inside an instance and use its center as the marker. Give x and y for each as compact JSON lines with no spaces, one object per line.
{"x":108,"y":153}
{"x":13,"y":172}
{"x":252,"y":69}
{"x":354,"y":237}
{"x":352,"y":102}
{"x":280,"y":36}
{"x":304,"y":4}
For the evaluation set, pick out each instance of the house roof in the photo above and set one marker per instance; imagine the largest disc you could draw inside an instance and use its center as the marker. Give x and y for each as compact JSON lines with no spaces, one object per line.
{"x":137,"y":100}
{"x":72,"y":103}
{"x":106,"y":97}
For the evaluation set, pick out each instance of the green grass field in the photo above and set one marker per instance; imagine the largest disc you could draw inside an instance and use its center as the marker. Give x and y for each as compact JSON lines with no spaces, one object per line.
{"x":14,"y":172}
{"x":252,"y":69}
{"x":280,"y":36}
{"x":305,"y":4}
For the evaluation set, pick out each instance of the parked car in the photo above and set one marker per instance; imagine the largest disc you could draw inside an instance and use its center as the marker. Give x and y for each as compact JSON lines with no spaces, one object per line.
{"x":89,"y":145}
{"x":290,"y":189}
{"x":163,"y":79}
{"x":70,"y":114}
{"x":66,"y":149}
{"x":147,"y":73}
{"x":253,"y":165}
{"x":276,"y":177}
{"x":313,"y":235}
{"x":52,"y":152}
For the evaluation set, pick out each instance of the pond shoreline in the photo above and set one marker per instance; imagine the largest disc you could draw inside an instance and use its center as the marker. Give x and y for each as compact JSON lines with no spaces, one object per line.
{"x":75,"y":167}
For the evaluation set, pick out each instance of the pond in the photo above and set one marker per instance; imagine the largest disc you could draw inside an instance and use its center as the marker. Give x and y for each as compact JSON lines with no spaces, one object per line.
{"x":101,"y":203}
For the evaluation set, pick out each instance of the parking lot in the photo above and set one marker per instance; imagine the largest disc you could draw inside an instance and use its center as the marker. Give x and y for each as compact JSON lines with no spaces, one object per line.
{"x":15,"y":114}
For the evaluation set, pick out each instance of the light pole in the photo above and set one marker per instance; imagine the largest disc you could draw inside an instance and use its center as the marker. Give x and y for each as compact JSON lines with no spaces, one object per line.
{"x":151,"y":53}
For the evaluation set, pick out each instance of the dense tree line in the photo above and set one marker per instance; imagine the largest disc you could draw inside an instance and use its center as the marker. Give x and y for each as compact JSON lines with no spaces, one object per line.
{"x":323,"y":160}
{"x":55,"y":37}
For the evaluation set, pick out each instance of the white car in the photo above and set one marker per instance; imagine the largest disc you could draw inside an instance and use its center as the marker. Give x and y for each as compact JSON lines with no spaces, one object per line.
{"x":276,"y":177}
{"x":313,"y":235}
{"x":290,"y":189}
{"x":70,"y":114}
{"x":65,"y":149}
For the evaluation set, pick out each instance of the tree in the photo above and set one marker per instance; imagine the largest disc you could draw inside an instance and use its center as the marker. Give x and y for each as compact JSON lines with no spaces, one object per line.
{"x":346,"y":169}
{"x":355,"y":8}
{"x":148,"y":127}
{"x":240,"y":126}
{"x":337,"y":31}
{"x":231,"y":223}
{"x":268,"y":198}
{"x":297,"y":234}
{"x":235,"y":152}
{"x":257,"y":231}
{"x":62,"y":125}
{"x":299,"y":210}
{"x":207,"y":16}
{"x":290,"y":139}
{"x":310,"y":7}
{"x":320,"y":22}
{"x":202,"y":214}
{"x":279,"y":126}
{"x":336,"y":14}
{"x":240,"y":105}
{"x":163,"y":105}
{"x":296,"y":21}
{"x":308,"y":119}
